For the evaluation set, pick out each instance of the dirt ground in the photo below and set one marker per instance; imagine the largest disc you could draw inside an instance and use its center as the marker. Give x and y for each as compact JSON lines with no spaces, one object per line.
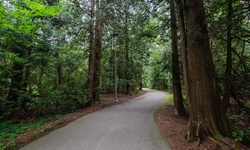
{"x":173,"y":127}
{"x":174,"y":130}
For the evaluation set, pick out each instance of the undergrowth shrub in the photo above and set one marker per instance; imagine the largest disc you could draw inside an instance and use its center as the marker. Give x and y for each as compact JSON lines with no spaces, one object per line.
{"x":62,"y":99}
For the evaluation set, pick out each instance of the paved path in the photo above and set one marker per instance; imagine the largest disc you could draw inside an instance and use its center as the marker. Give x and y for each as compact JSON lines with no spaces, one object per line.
{"x":124,"y":126}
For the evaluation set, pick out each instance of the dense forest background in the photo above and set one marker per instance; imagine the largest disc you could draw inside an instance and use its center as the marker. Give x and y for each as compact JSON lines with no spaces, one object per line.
{"x":59,"y":55}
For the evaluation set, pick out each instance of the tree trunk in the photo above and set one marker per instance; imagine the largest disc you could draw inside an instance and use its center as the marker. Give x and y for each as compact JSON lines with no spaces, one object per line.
{"x":128,"y":76}
{"x":228,"y":82}
{"x":178,"y":99}
{"x":39,"y":84}
{"x":26,"y":82}
{"x":59,"y":74}
{"x":182,"y":28}
{"x":206,"y":115}
{"x":16,"y":84}
{"x":91,"y":56}
{"x":59,"y":71}
{"x":98,"y":48}
{"x":140,"y":79}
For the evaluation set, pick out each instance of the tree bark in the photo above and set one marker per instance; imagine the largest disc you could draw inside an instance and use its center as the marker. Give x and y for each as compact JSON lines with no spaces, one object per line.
{"x":91,"y":56}
{"x":206,"y":115}
{"x":16,"y":84}
{"x":98,"y":48}
{"x":26,"y":88}
{"x":59,"y":71}
{"x":59,"y":74}
{"x":128,"y":76}
{"x":178,"y":99}
{"x":228,"y":82}
{"x":182,"y":29}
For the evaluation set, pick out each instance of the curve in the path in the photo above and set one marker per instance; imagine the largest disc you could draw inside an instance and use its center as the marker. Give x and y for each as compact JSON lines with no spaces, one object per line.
{"x":125,"y":126}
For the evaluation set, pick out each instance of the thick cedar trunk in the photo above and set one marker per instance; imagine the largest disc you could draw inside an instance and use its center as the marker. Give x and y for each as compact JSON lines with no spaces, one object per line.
{"x":228,"y":82}
{"x":206,"y":115}
{"x":178,"y":99}
{"x":128,"y":77}
{"x":91,"y":57}
{"x":182,"y":28}
{"x":98,"y":46}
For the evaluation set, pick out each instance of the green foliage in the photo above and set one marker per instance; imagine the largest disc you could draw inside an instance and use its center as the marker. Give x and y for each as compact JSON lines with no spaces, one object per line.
{"x":218,"y":20}
{"x":10,"y":129}
{"x":151,"y":29}
{"x":5,"y":108}
{"x":38,"y":9}
{"x":60,"y":100}
{"x":238,"y":136}
{"x":235,"y":118}
{"x":159,"y":70}
{"x":27,"y":41}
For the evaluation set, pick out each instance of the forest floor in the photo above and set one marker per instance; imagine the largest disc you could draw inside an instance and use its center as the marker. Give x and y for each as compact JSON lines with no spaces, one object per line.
{"x":173,"y":128}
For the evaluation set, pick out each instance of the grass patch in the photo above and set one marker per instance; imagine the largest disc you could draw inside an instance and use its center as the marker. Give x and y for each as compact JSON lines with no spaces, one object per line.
{"x":10,"y":129}
{"x":169,"y":99}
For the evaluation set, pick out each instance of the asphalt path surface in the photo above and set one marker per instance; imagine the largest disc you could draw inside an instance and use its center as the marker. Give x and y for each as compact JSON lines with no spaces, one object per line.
{"x":125,"y":126}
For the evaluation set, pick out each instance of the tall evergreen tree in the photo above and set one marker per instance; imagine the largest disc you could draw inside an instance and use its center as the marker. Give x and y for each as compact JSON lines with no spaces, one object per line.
{"x":92,"y":53}
{"x":178,"y":99}
{"x":206,"y":114}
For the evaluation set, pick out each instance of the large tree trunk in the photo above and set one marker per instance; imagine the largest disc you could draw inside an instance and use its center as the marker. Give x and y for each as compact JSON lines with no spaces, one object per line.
{"x":178,"y":99}
{"x":182,"y":29}
{"x":206,"y":115}
{"x":91,"y":56}
{"x":98,"y":46}
{"x":228,"y":82}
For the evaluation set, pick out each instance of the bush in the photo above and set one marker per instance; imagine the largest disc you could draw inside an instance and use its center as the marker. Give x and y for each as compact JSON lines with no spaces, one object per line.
{"x":6,"y":108}
{"x":62,"y":99}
